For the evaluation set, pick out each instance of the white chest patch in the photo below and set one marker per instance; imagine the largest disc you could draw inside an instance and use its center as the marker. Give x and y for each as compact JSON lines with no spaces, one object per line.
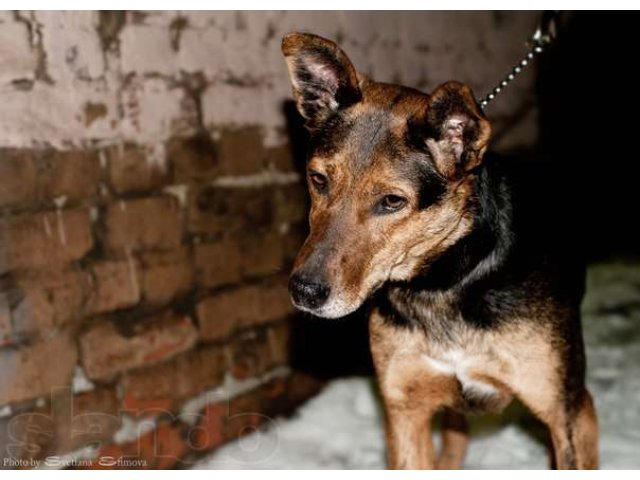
{"x":455,"y":363}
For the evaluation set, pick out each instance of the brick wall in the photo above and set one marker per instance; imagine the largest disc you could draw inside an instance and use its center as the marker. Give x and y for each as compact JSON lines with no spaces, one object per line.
{"x":150,"y":207}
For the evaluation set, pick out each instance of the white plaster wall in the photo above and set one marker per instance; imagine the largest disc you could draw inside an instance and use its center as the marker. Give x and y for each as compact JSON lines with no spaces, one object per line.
{"x":55,"y":69}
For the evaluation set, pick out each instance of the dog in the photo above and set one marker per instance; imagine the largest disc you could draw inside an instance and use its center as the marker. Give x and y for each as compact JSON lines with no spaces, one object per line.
{"x":410,"y":217}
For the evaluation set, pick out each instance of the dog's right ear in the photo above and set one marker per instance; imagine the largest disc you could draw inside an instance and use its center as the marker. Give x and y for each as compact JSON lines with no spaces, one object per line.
{"x":323,"y":78}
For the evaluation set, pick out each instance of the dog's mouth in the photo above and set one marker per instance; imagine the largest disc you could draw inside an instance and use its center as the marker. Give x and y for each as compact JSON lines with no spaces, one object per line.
{"x":336,"y":304}
{"x":330,"y":310}
{"x":333,"y":308}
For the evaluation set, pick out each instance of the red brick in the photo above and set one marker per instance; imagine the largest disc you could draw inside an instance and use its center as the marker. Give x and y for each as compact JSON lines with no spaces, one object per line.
{"x":273,"y":398}
{"x":244,"y":415}
{"x":278,"y":339}
{"x":27,"y":371}
{"x":300,"y":387}
{"x":147,"y":223}
{"x":85,"y":418}
{"x":115,"y":285}
{"x":276,"y":388}
{"x":27,"y":435}
{"x":291,"y":203}
{"x":46,"y":300}
{"x":209,"y":432}
{"x":261,"y":254}
{"x":6,"y":326}
{"x":225,"y":210}
{"x":216,"y":316}
{"x":32,"y":176}
{"x":150,"y":405}
{"x":250,"y":355}
{"x":243,"y":307}
{"x":227,"y":420}
{"x":131,"y":171}
{"x":108,"y":350}
{"x":193,"y":158}
{"x":281,"y":158}
{"x":44,"y":239}
{"x":72,"y":174}
{"x":228,"y":261}
{"x":218,"y":423}
{"x":159,"y":386}
{"x":272,"y":301}
{"x":166,"y":275}
{"x":169,"y":446}
{"x":18,"y":173}
{"x":256,"y":352}
{"x":241,"y":151}
{"x":218,"y":263}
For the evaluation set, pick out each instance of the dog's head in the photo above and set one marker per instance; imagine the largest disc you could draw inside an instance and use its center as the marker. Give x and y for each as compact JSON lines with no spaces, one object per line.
{"x":389,"y":173}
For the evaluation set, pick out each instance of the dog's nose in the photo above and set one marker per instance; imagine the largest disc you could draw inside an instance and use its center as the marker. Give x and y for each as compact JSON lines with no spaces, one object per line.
{"x":307,"y":292}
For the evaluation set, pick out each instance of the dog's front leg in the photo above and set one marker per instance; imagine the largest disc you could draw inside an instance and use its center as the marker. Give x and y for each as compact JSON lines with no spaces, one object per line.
{"x":455,"y":438}
{"x":409,"y":442}
{"x":412,"y":392}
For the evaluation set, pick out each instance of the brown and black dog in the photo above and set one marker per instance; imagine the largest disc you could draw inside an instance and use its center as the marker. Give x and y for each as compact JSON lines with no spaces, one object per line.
{"x":408,"y":214}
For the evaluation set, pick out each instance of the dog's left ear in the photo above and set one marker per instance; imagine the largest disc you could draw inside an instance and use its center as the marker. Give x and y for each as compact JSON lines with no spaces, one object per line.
{"x":458,"y":131}
{"x":323,"y":78}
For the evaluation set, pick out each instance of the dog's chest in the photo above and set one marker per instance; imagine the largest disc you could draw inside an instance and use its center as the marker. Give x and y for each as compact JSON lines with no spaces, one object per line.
{"x":474,"y":369}
{"x":447,"y":345}
{"x":459,"y":364}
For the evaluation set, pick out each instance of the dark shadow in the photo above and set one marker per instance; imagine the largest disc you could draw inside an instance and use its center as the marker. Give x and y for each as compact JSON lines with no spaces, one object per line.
{"x":332,"y":348}
{"x":588,"y":103}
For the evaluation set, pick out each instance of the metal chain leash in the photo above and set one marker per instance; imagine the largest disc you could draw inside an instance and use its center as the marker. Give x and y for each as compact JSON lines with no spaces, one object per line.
{"x":543,"y":36}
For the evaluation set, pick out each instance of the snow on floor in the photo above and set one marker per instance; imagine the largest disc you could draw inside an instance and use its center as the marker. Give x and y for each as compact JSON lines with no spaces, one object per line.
{"x":341,"y":428}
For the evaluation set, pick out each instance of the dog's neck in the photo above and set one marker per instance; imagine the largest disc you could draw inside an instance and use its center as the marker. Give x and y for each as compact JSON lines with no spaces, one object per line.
{"x":474,"y":261}
{"x":485,"y":248}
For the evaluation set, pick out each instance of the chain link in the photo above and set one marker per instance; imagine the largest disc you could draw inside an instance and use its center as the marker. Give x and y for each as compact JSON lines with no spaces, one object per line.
{"x":543,"y":36}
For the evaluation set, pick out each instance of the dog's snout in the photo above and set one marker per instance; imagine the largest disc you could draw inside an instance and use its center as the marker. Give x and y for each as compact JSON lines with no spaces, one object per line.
{"x":308,"y":292}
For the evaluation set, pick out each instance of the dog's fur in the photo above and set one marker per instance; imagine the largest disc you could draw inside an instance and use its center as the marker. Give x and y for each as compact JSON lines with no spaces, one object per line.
{"x":466,"y":311}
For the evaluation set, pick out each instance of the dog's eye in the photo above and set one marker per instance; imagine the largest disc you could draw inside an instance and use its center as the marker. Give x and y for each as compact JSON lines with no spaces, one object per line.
{"x":318,"y":180}
{"x":392,"y":203}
